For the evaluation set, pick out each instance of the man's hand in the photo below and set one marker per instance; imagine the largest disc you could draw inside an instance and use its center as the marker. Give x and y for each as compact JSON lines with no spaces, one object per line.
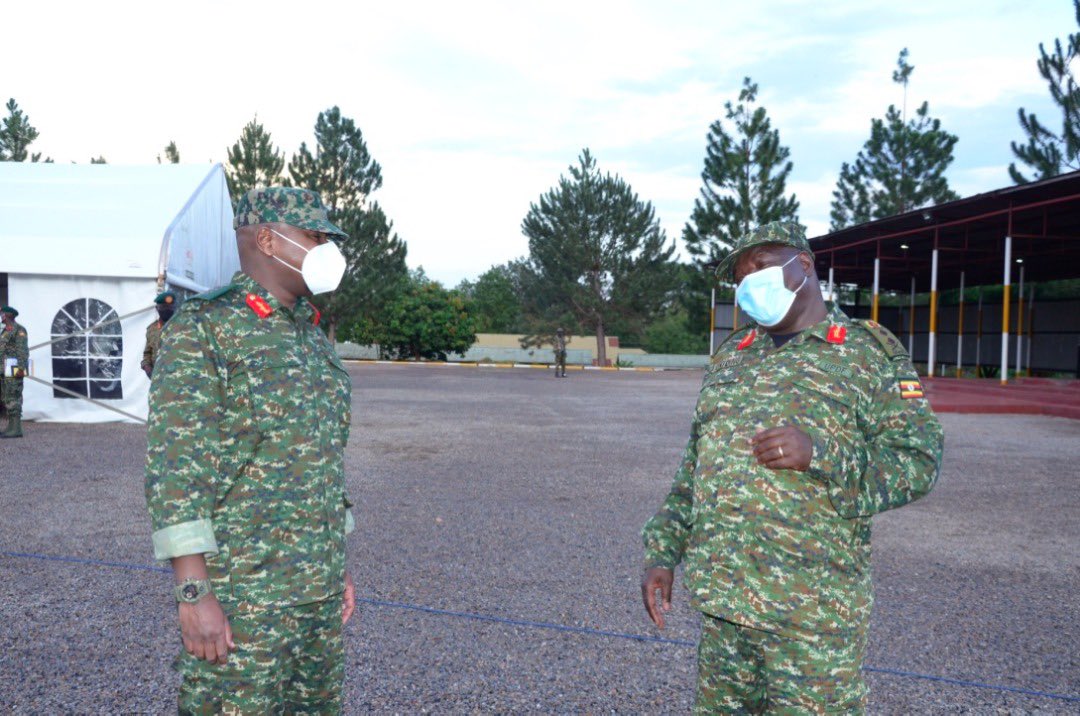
{"x":149,"y":370}
{"x":348,"y":605}
{"x":657,"y":578}
{"x":783,"y":448}
{"x":206,"y":631}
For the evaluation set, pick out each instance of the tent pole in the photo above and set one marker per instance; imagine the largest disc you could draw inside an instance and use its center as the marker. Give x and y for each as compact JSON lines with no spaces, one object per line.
{"x":911,"y":323}
{"x":978,"y":334}
{"x":1020,"y":322}
{"x":712,"y":321}
{"x":1031,"y":330}
{"x":877,"y":281}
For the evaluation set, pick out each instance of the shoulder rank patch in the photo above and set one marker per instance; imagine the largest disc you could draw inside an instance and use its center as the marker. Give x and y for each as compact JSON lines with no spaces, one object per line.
{"x":910,"y":389}
{"x":889,"y":343}
{"x":259,"y":305}
{"x":317,"y":317}
{"x":837,"y":334}
{"x":22,"y":334}
{"x":745,"y":342}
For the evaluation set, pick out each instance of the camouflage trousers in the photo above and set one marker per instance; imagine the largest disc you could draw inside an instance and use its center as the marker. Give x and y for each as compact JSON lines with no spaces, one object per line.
{"x":287,"y":661}
{"x":749,"y":671}
{"x":11,"y":396}
{"x":560,"y":362}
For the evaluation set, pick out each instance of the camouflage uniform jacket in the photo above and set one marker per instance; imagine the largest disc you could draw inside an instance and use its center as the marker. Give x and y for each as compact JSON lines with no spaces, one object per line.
{"x":153,"y":345}
{"x":782,"y":550}
{"x":13,"y":344}
{"x":249,"y":417}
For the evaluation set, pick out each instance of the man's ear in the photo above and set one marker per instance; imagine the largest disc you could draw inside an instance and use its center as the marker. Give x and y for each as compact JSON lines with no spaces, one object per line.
{"x":264,"y":240}
{"x":807,"y":263}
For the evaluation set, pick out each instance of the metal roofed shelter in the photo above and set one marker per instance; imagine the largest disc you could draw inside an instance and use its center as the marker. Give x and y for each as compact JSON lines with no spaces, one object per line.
{"x":990,"y":239}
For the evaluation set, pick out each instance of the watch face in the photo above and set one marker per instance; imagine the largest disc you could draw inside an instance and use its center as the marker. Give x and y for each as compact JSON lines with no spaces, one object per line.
{"x":190,"y":591}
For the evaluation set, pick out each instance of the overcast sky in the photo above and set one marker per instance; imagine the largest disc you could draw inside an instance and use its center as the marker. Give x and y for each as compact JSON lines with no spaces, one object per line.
{"x":474,"y":109}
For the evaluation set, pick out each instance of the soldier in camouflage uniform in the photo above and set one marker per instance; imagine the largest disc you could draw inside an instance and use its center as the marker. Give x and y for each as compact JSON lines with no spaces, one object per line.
{"x":166,"y":306}
{"x":245,"y":482}
{"x":560,"y":353}
{"x":807,"y":424}
{"x":13,"y":346}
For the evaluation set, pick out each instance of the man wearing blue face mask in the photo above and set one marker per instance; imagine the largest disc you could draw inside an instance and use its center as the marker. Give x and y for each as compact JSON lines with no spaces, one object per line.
{"x":808,"y":424}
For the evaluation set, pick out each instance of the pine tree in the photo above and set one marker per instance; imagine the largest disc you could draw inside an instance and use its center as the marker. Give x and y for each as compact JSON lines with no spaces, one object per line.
{"x":1047,"y":153}
{"x":900,"y":168}
{"x":98,"y":160}
{"x":344,"y":174}
{"x":744,"y":180}
{"x":253,"y":161}
{"x":16,"y":135}
{"x":172,"y":154}
{"x":341,"y":169}
{"x":597,"y":257}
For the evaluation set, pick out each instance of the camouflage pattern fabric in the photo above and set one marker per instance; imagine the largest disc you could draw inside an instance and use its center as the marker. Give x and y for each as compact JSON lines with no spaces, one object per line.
{"x":787,"y":233}
{"x":749,"y":671}
{"x":13,"y":344}
{"x":560,"y":354}
{"x":288,"y":661}
{"x":249,"y":418}
{"x":286,"y":205}
{"x":153,"y":346}
{"x":780,"y":550}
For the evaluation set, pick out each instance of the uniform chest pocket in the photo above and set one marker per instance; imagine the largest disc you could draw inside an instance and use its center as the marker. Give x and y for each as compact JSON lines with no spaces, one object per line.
{"x":278,"y":392}
{"x":718,"y":393}
{"x":824,"y":401}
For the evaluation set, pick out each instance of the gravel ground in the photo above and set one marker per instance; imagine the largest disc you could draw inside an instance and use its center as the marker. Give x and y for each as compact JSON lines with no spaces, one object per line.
{"x":508,"y":493}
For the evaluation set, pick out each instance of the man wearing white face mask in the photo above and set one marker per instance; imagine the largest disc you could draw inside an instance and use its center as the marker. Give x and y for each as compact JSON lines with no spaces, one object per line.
{"x":808,"y":424}
{"x":245,"y":480}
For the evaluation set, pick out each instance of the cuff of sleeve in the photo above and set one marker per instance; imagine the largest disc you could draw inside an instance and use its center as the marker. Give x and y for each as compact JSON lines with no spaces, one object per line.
{"x":656,"y":559}
{"x":194,"y":537}
{"x":826,"y":456}
{"x":350,"y":523}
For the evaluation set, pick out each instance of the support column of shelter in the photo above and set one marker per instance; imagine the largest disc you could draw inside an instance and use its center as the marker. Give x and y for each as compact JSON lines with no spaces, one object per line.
{"x":830,"y":283}
{"x":1005,"y":299}
{"x":1020,"y":323}
{"x":877,"y":281}
{"x":1031,"y":330}
{"x":911,"y":322}
{"x":932,"y":342}
{"x":712,"y":321}
{"x":978,"y":334}
{"x":960,"y":331}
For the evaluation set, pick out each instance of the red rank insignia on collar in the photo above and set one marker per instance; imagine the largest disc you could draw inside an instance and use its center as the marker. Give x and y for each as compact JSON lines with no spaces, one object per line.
{"x":317,"y":317}
{"x":747,"y":340}
{"x":837,"y":334}
{"x":259,"y":305}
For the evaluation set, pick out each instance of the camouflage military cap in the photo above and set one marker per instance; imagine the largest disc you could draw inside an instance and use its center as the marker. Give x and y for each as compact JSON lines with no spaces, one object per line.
{"x":166,"y":297}
{"x":9,"y":309}
{"x":777,"y":232}
{"x":301,"y":208}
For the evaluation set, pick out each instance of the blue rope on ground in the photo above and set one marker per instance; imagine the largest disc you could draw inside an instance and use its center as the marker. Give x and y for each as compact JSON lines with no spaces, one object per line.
{"x":561,"y":627}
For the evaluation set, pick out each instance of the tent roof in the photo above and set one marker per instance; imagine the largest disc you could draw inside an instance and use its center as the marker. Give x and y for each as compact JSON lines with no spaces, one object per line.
{"x":92,"y":219}
{"x":1043,"y":219}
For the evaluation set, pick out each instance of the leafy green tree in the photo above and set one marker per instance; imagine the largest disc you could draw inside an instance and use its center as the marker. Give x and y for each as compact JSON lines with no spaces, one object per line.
{"x":669,"y":334}
{"x":16,"y":135}
{"x":343,"y":172}
{"x":172,"y":154}
{"x":1045,"y":152}
{"x":900,"y":168}
{"x":494,"y":301}
{"x":426,"y":321}
{"x":254,"y":161}
{"x":98,"y":160}
{"x":597,"y":256}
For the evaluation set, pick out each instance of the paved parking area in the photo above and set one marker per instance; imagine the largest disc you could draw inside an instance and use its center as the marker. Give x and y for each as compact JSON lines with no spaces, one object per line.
{"x":511,"y":495}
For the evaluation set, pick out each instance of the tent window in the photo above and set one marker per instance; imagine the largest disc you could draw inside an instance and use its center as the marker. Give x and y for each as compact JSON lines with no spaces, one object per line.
{"x":90,"y":363}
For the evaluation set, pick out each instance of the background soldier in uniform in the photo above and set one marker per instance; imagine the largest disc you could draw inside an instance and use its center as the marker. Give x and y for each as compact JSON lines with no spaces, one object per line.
{"x":14,"y":365}
{"x":245,"y":481}
{"x":807,"y":424}
{"x":166,"y":306}
{"x":560,"y":353}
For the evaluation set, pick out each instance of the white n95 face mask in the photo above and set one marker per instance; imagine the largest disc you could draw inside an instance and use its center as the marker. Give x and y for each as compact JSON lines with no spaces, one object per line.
{"x":764,"y":296}
{"x":322,"y":268}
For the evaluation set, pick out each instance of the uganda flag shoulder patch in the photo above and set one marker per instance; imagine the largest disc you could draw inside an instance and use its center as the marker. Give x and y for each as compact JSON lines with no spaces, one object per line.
{"x":910,"y":389}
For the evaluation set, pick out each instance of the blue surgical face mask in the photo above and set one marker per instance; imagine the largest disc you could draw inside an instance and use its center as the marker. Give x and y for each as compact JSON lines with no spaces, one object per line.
{"x":765,"y":297}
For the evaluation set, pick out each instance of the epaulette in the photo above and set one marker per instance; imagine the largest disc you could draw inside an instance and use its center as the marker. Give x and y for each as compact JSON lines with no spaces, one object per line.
{"x":889,"y":343}
{"x":212,"y":293}
{"x":740,"y":331}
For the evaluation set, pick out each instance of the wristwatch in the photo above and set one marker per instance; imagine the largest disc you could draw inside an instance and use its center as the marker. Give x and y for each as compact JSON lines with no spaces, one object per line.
{"x":192,"y":591}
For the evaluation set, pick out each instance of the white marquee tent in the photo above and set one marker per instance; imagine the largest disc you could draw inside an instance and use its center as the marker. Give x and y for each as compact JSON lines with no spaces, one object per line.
{"x":83,"y":244}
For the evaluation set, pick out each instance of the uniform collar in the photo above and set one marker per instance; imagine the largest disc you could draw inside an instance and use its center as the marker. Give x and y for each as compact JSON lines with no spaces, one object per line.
{"x":303,"y":310}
